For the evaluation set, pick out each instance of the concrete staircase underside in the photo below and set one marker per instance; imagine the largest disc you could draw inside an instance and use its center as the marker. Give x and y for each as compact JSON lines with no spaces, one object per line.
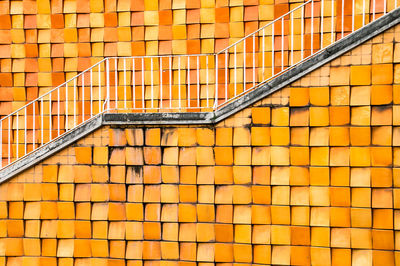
{"x":337,"y":49}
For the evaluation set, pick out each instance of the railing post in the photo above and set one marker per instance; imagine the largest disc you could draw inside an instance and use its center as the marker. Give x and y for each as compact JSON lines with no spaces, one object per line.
{"x":25,"y":132}
{"x":9,"y":139}
{"x":188,"y":82}
{"x":66,"y":112}
{"x":216,"y":82}
{"x":226,"y":75}
{"x":108,"y":83}
{"x":17,"y":135}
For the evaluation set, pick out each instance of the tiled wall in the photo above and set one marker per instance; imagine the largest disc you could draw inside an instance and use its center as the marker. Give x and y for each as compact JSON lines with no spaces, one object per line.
{"x":308,"y":175}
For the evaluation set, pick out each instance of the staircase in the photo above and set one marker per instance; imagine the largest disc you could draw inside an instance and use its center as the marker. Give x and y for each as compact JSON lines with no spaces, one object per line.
{"x":185,"y":83}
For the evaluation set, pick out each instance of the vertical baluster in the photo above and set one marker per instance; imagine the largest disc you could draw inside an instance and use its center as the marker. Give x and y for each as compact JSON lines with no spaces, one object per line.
{"x":216,"y":81}
{"x":99,"y":69}
{"x":353,"y":14}
{"x":312,"y":27}
{"x":108,"y":83}
{"x":301,"y":33}
{"x":226,"y":74}
{"x":133,"y":84}
{"x":373,"y":9}
{"x":161,"y":83}
{"x":58,"y":111}
{"x":34,"y":126}
{"x":25,"y":131}
{"x":50,"y":124}
{"x":332,"y":19}
{"x":50,"y":119}
{"x":66,"y":108}
{"x":342,"y":18}
{"x":188,"y":81}
{"x":363,"y":13}
{"x":244,"y":65}
{"x":91,"y":93}
{"x":235,"y":67}
{"x":74,"y":102}
{"x":143,"y":100}
{"x":384,"y":7}
{"x":322,"y":24}
{"x":41,"y":119}
{"x":9,"y":139}
{"x":273,"y":49}
{"x":170,"y":82}
{"x":254,"y":60}
{"x":124,"y":83}
{"x":208,"y":105}
{"x":282,"y":41}
{"x":17,"y":131}
{"x":83,"y":97}
{"x":151,"y":82}
{"x":263,"y":52}
{"x":116,"y":82}
{"x":179,"y":83}
{"x":291,"y":38}
{"x":198,"y":82}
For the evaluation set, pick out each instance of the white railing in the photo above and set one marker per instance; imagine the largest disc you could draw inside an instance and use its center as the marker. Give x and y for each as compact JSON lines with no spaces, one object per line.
{"x":184,"y":83}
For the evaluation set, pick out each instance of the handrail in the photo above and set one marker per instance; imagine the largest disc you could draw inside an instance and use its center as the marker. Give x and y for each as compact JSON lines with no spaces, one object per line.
{"x":56,"y":88}
{"x":263,"y":27}
{"x":181,"y":83}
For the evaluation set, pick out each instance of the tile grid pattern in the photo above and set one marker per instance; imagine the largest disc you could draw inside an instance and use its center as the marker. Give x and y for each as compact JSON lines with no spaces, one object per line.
{"x":308,"y":175}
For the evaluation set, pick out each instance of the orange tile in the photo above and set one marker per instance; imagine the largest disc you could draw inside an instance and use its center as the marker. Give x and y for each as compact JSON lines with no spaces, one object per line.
{"x":117,"y":137}
{"x":151,"y":174}
{"x":381,"y":94}
{"x":50,"y":173}
{"x":100,"y":155}
{"x":242,"y":253}
{"x":116,"y":211}
{"x":205,"y":137}
{"x":14,"y":247}
{"x":261,"y":115}
{"x":151,"y":250}
{"x":152,"y":155}
{"x":117,"y":156}
{"x":82,"y":248}
{"x":134,"y":156}
{"x":360,"y":75}
{"x":188,"y":251}
{"x":223,"y":252}
{"x":83,"y":229}
{"x":32,"y":192}
{"x":187,"y":213}
{"x":299,"y":96}
{"x":83,"y":155}
{"x":223,"y":155}
{"x":205,"y":213}
{"x":382,"y":74}
{"x":152,"y":137}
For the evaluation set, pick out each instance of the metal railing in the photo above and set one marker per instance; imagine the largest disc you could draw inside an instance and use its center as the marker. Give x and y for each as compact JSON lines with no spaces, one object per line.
{"x":184,"y":83}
